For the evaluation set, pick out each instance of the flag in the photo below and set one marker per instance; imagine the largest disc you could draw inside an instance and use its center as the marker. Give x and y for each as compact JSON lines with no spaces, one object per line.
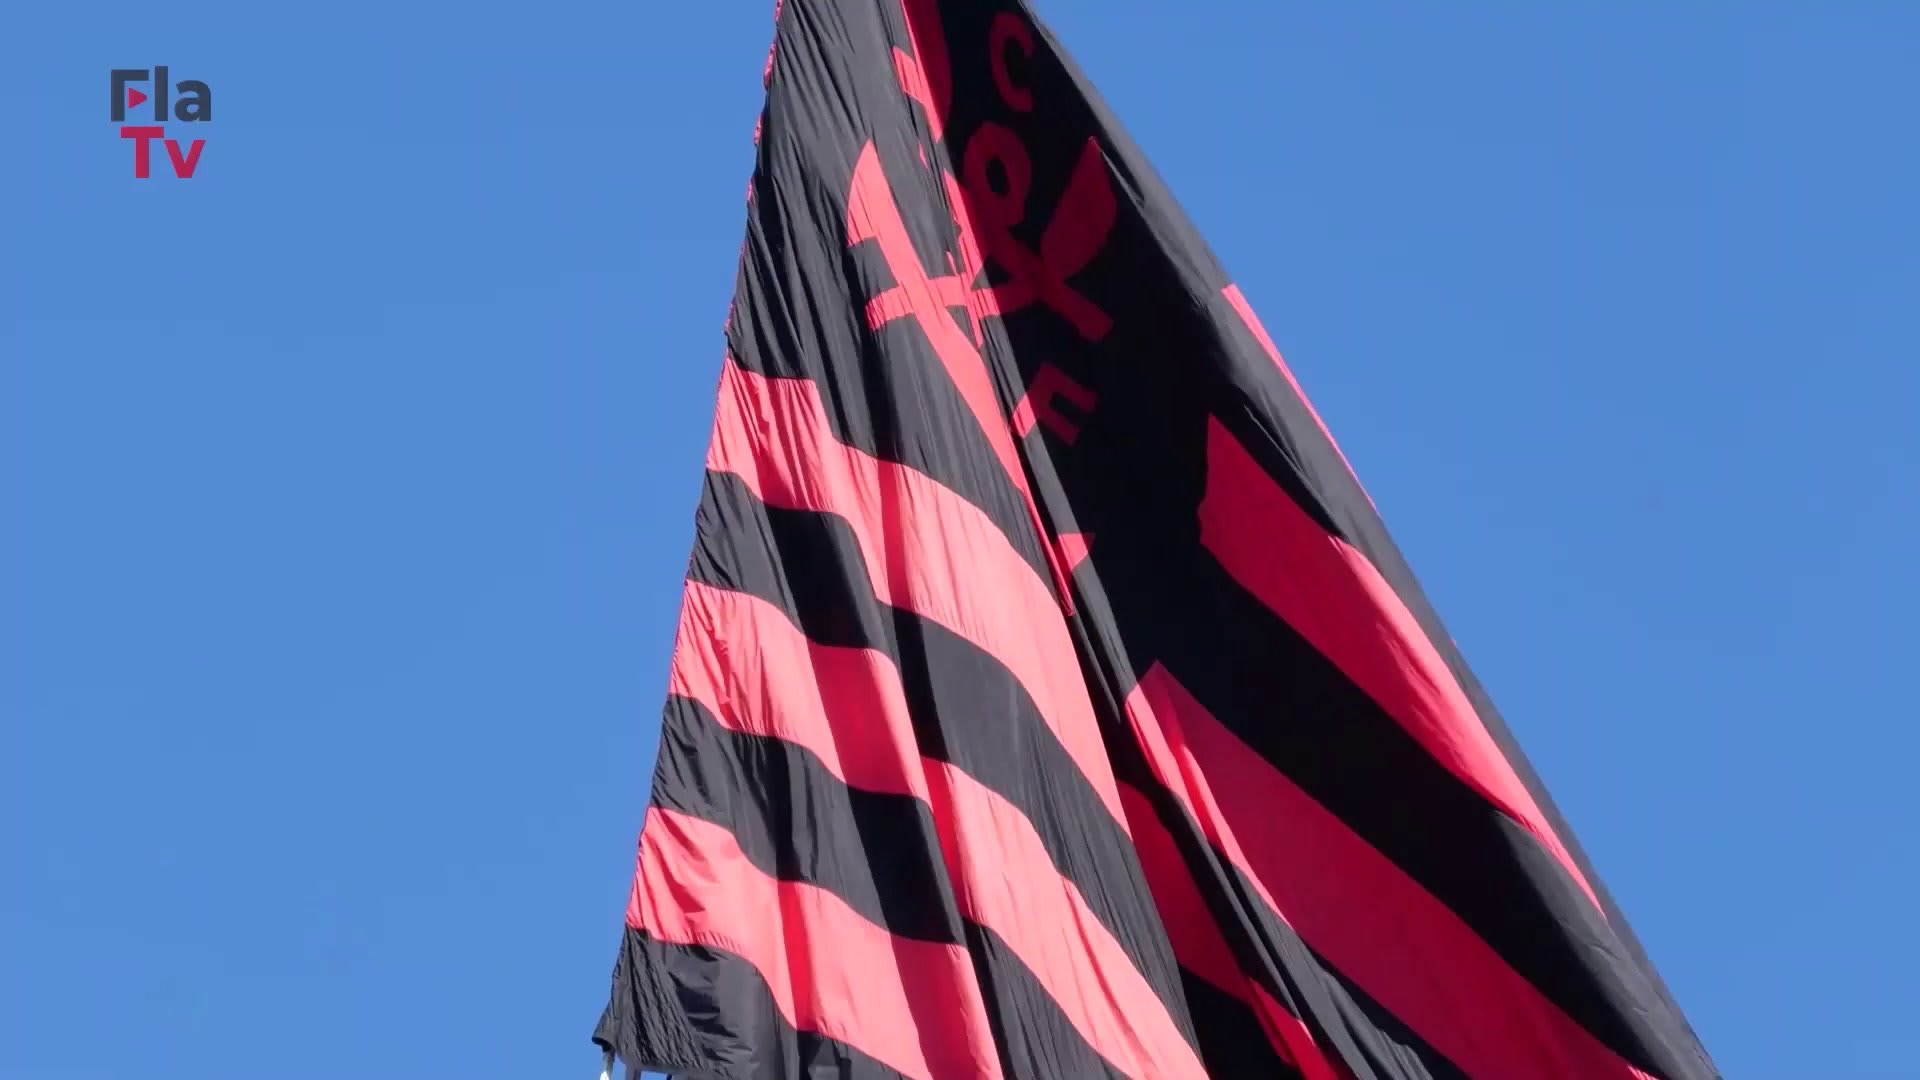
{"x":1048,"y":699}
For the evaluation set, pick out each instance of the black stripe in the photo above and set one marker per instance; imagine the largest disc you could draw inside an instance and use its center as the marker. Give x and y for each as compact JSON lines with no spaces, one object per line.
{"x":1233,"y":1042}
{"x":967,"y":709}
{"x":1346,"y":1023}
{"x":702,"y":1014}
{"x":1298,"y":711}
{"x":879,"y":852}
{"x":1305,"y":464}
{"x":1663,"y":1035}
{"x":1032,"y":1041}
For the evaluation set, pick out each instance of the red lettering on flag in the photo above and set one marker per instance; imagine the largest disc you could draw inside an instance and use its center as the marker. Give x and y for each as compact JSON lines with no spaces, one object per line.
{"x":1072,"y":237}
{"x":1009,"y":28}
{"x":1049,"y":386}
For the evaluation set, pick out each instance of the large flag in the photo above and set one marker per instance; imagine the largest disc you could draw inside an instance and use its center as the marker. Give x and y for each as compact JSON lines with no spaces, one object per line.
{"x":1048,"y":699}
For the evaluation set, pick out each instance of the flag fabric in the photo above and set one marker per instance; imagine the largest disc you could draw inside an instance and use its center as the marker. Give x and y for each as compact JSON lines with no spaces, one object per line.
{"x":1048,"y":698}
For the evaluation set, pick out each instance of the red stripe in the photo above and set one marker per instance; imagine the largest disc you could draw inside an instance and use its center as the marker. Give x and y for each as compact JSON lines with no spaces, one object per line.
{"x":927,"y":550}
{"x":1355,"y":907}
{"x":1333,"y":596}
{"x":755,"y":672}
{"x":1201,"y":948}
{"x":1006,"y":884}
{"x":1245,"y":311}
{"x":913,"y":1005}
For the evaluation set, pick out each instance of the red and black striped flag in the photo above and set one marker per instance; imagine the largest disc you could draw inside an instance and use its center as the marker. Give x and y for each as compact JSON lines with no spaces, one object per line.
{"x":1048,"y":699}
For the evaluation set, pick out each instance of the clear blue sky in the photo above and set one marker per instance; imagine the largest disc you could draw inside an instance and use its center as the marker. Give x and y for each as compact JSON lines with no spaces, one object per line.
{"x":345,"y":489}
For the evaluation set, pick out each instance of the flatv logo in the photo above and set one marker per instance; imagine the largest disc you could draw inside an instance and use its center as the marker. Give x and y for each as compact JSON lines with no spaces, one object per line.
{"x":192,"y":103}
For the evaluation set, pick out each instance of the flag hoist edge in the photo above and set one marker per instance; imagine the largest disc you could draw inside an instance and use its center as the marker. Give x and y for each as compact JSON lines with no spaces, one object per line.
{"x":1048,"y":698}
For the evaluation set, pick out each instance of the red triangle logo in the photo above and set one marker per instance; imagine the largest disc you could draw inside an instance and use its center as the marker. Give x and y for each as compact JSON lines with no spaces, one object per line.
{"x":134,"y":97}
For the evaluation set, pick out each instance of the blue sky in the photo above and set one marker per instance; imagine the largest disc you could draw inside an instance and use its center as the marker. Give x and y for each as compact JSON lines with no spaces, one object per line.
{"x":345,"y":488}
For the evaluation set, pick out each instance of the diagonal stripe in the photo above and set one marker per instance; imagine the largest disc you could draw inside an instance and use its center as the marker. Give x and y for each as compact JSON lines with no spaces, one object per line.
{"x":1614,"y":988}
{"x":741,"y":658}
{"x":1352,"y":905}
{"x":911,"y":1004}
{"x":1282,"y":697}
{"x":1332,"y":596}
{"x":1238,"y":301}
{"x":1047,"y":922}
{"x":648,"y":1025}
{"x":1203,"y":949}
{"x":878,"y":851}
{"x":764,"y":677}
{"x":1358,"y":1037}
{"x":1234,"y":1040}
{"x":926,"y":549}
{"x":795,"y":819}
{"x":966,"y":708}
